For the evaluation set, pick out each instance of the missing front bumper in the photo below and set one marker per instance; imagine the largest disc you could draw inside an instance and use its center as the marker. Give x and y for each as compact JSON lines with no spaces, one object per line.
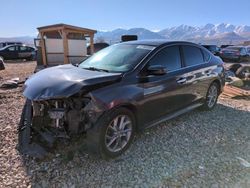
{"x":39,"y":129}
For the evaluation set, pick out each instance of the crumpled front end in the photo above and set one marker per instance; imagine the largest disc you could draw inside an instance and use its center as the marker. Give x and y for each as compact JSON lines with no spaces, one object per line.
{"x":60,"y":105}
{"x":44,"y":122}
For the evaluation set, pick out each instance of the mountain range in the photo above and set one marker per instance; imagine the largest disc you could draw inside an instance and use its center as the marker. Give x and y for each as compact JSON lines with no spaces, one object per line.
{"x":207,"y":34}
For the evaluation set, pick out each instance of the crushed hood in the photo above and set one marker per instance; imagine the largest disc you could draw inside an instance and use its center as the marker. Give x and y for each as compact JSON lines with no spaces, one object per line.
{"x":64,"y":81}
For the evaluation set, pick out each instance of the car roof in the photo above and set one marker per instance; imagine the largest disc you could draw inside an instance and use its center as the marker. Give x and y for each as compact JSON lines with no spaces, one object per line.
{"x":17,"y":45}
{"x":209,"y":45}
{"x":156,"y":42}
{"x":236,"y":47}
{"x":5,"y":42}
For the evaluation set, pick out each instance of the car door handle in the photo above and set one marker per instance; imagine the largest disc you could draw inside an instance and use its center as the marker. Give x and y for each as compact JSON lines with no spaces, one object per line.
{"x":181,"y":80}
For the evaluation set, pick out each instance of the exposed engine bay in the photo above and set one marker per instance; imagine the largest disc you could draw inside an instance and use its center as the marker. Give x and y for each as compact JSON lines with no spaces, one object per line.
{"x":43,"y":122}
{"x":66,"y":115}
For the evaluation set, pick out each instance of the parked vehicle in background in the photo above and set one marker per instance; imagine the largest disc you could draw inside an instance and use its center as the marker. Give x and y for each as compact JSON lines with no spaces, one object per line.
{"x":120,"y":90}
{"x":3,"y":44}
{"x":17,"y":52}
{"x":235,"y":53}
{"x":225,"y":46}
{"x":2,"y":67}
{"x":97,"y":47}
{"x":213,"y":48}
{"x":126,"y":38}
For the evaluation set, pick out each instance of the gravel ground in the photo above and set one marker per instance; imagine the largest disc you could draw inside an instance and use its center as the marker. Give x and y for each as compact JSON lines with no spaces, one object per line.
{"x":198,"y":149}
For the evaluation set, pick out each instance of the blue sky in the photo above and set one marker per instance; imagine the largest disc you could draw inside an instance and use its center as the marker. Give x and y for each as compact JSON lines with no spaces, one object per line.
{"x":22,"y":17}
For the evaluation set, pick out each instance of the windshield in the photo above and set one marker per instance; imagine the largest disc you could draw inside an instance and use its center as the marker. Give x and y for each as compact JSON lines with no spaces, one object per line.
{"x":117,"y":58}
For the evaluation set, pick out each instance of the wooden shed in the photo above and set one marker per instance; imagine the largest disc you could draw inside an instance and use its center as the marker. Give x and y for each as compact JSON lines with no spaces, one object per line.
{"x":63,"y":44}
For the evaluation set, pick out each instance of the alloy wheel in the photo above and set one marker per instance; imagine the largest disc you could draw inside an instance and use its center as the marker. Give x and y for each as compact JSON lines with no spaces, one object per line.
{"x":118,"y":133}
{"x":212,"y":96}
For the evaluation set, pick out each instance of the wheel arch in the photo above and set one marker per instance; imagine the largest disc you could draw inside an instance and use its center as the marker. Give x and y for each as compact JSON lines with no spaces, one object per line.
{"x":132,"y":108}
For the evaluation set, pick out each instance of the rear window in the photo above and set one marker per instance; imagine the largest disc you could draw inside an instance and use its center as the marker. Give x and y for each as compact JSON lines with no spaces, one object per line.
{"x":192,"y":55}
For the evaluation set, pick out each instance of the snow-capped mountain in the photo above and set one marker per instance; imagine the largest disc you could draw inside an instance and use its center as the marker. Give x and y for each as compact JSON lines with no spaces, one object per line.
{"x":219,"y":33}
{"x":115,"y":35}
{"x":207,"y":31}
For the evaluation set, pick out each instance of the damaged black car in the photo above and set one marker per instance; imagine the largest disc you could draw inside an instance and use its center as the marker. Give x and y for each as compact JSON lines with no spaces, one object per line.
{"x":117,"y":92}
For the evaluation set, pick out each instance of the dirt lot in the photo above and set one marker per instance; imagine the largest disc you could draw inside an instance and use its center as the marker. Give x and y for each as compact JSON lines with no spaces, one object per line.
{"x":198,"y":149}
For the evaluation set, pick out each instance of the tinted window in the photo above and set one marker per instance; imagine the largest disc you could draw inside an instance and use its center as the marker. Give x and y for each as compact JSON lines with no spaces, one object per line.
{"x":30,"y":49}
{"x":168,"y":57}
{"x":192,"y":55}
{"x":11,"y":49}
{"x":23,"y":48}
{"x":206,"y":56}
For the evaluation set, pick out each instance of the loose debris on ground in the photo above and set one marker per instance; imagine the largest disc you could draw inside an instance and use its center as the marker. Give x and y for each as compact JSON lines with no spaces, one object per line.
{"x":198,"y":149}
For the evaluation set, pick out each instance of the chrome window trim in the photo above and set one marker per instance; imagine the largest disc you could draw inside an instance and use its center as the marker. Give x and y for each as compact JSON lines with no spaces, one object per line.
{"x":183,"y":67}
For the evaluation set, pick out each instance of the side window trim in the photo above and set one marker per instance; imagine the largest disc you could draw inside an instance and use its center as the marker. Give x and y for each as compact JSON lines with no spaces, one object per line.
{"x":183,"y":64}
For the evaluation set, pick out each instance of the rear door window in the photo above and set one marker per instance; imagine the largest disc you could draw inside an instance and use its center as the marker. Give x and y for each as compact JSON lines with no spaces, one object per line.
{"x":168,"y":57}
{"x":11,"y":49}
{"x":192,"y":55}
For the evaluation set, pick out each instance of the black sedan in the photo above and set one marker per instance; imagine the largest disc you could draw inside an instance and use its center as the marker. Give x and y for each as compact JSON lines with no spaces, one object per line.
{"x":119,"y":91}
{"x":2,"y":67}
{"x":17,"y":52}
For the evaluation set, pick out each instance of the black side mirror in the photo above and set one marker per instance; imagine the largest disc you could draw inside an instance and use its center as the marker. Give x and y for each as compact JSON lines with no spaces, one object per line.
{"x":156,"y":70}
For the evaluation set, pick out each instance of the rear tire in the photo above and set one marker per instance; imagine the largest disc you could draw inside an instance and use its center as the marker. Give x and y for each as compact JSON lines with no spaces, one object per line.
{"x":112,"y":134}
{"x":211,"y":97}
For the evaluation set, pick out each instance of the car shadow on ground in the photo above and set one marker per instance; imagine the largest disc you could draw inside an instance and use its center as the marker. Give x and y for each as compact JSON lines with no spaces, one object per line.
{"x":199,"y":148}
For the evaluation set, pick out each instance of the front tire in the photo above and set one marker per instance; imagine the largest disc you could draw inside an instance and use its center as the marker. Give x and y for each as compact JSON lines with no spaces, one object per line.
{"x":211,"y":97}
{"x":112,"y":134}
